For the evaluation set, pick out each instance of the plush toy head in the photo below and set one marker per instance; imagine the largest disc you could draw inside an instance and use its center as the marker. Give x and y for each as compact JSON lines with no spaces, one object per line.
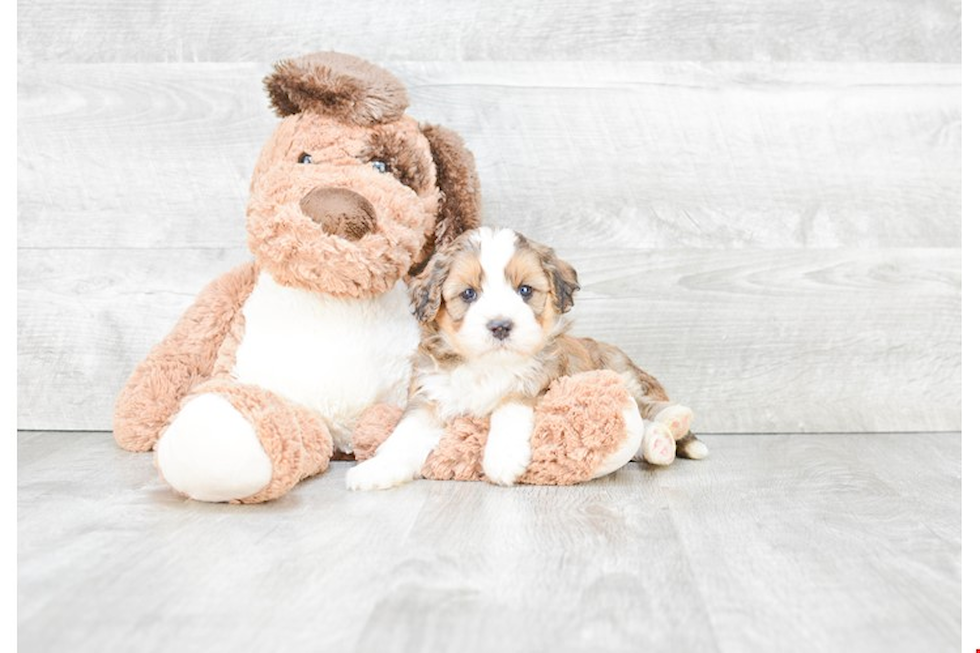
{"x":350,"y":194}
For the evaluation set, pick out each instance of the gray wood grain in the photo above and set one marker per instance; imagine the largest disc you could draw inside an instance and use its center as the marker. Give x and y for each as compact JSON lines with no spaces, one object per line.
{"x":708,"y":30}
{"x":803,"y":127}
{"x":800,"y":340}
{"x":774,"y":543}
{"x":673,"y":155}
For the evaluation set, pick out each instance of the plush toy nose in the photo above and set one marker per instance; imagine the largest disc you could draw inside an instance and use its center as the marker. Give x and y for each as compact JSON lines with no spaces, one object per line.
{"x":339,"y":212}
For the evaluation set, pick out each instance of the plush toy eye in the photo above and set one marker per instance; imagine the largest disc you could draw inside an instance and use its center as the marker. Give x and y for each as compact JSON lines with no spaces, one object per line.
{"x":380,"y":166}
{"x":525,"y":291}
{"x":305,"y":158}
{"x":468,"y":295}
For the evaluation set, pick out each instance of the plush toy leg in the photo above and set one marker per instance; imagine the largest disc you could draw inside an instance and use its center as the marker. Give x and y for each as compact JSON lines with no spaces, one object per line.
{"x":184,"y":359}
{"x":241,"y":443}
{"x":586,"y":426}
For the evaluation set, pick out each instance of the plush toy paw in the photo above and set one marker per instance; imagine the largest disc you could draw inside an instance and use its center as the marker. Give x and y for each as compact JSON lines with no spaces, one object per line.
{"x":378,"y":474}
{"x":677,"y":419}
{"x":658,"y":447}
{"x":210,"y":452}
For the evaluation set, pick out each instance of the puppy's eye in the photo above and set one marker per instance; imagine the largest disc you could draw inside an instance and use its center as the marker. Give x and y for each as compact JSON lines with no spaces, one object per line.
{"x":468,"y":295}
{"x":379,"y":165}
{"x":305,"y":158}
{"x":525,"y":291}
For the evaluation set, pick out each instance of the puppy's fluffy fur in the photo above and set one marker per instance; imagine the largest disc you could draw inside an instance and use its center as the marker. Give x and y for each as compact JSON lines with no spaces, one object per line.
{"x":493,"y":309}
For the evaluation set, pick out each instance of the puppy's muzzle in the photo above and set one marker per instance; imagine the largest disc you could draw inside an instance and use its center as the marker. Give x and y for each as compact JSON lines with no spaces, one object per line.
{"x":339,"y":212}
{"x":500,"y":329}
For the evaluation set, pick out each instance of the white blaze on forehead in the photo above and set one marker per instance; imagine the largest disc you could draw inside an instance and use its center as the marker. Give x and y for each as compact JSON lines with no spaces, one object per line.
{"x":497,"y":247}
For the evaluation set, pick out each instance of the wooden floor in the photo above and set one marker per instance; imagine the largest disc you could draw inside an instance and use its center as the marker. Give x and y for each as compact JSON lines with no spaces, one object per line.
{"x":775,"y":543}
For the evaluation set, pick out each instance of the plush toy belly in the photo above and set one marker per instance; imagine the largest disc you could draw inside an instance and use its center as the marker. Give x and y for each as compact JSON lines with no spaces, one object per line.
{"x":335,"y":356}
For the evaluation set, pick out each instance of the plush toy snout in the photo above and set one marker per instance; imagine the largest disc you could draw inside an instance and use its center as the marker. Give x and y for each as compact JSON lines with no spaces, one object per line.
{"x":339,"y":212}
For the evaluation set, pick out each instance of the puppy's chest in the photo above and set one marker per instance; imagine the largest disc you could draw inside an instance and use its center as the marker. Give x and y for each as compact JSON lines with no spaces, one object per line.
{"x":335,"y":356}
{"x":477,"y":390}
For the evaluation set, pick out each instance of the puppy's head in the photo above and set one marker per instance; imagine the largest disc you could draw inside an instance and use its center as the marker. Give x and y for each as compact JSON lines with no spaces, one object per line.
{"x":494,"y":291}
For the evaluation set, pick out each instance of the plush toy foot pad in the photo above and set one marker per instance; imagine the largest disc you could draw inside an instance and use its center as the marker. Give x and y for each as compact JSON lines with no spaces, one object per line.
{"x":210,"y":452}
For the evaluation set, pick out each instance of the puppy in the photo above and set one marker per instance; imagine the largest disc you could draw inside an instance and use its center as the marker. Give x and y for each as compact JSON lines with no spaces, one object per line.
{"x":493,"y":306}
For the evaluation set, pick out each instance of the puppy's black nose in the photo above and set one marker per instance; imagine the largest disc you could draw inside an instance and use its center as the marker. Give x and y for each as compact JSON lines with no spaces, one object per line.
{"x":500,"y":328}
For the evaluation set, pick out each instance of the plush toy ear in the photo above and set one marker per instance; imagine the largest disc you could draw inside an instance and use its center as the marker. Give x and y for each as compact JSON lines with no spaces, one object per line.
{"x":459,"y":204}
{"x":338,"y":85}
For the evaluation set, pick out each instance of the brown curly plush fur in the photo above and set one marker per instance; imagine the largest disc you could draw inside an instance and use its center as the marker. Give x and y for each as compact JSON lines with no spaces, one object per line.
{"x":578,"y":424}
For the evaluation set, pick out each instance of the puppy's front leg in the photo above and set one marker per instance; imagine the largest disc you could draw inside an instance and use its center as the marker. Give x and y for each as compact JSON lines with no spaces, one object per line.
{"x":400,"y":458}
{"x":508,"y":450}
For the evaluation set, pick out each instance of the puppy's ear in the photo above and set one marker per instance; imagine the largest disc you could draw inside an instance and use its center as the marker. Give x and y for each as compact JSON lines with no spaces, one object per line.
{"x":426,"y":288}
{"x":459,"y":202}
{"x":564,"y":279}
{"x":337,"y":85}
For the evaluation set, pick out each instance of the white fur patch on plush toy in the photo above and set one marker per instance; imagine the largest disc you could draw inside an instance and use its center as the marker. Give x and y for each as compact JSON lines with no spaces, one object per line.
{"x":295,"y":336}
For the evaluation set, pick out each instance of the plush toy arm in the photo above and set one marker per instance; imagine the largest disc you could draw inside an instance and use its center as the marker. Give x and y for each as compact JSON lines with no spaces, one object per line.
{"x":586,"y":426}
{"x":183,"y":359}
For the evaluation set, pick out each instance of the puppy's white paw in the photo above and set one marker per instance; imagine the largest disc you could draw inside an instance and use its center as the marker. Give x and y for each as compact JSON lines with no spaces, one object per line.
{"x":504,"y":465}
{"x":508,"y":451}
{"x":659,"y":447}
{"x":693,"y":449}
{"x":677,"y":419}
{"x":377,"y":474}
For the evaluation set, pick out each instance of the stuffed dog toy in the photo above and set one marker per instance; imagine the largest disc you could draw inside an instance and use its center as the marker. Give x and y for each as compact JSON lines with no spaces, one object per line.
{"x":278,"y":363}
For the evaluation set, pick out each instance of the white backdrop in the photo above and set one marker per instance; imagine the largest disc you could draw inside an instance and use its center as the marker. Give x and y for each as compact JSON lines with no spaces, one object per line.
{"x":761,"y":196}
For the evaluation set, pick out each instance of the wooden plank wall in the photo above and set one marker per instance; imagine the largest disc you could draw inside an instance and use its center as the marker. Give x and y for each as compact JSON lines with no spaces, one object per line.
{"x":762,"y":197}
